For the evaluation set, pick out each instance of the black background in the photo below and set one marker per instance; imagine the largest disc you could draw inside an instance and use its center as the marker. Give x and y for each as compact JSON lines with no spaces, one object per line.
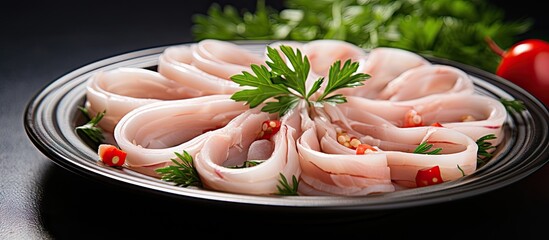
{"x":41,"y":41}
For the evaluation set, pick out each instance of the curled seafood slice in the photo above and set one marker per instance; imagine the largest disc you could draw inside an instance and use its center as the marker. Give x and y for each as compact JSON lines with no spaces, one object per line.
{"x":474,"y":115}
{"x":323,"y":53}
{"x":457,"y":158}
{"x":121,"y":90}
{"x":223,"y":59}
{"x":458,"y":155}
{"x":427,"y":80}
{"x":345,"y":174}
{"x":384,"y":65}
{"x":235,"y":145}
{"x":176,"y":63}
{"x":150,"y":135}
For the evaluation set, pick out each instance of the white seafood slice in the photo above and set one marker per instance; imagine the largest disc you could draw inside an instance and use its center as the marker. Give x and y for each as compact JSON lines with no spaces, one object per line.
{"x":230,"y":146}
{"x":457,"y":158}
{"x":323,"y":53}
{"x":474,"y":115}
{"x":121,"y":90}
{"x":223,"y":59}
{"x":339,"y":174}
{"x":176,"y":63}
{"x":151,"y":134}
{"x":427,"y":80}
{"x":384,"y":65}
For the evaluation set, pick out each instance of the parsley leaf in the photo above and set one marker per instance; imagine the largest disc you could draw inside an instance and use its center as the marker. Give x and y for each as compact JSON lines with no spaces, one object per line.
{"x":450,"y":29}
{"x":287,"y":85}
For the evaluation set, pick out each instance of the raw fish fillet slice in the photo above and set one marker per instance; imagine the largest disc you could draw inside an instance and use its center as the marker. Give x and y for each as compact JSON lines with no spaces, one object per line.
{"x":427,"y":80}
{"x":153,"y":133}
{"x":383,"y":65}
{"x":339,"y":174}
{"x":457,"y":158}
{"x":176,"y":63}
{"x":230,"y":146}
{"x":223,"y":59}
{"x":121,"y":90}
{"x":474,"y":115}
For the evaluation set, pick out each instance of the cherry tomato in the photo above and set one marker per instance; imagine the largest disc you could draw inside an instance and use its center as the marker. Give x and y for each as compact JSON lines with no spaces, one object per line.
{"x":110,"y":155}
{"x":428,"y":176}
{"x":526,"y":64}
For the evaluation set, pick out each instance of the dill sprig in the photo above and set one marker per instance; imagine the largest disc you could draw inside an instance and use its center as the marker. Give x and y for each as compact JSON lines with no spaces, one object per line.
{"x":424,"y":148}
{"x":284,"y":188}
{"x":182,"y":173}
{"x":513,"y":105}
{"x":90,"y":129}
{"x":483,"y":155}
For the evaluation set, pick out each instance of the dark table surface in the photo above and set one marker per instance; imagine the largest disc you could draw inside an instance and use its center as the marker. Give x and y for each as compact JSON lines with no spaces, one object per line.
{"x":40,"y":200}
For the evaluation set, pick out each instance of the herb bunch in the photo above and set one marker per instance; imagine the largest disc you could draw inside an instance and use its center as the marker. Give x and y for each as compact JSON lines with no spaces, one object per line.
{"x":450,"y":29}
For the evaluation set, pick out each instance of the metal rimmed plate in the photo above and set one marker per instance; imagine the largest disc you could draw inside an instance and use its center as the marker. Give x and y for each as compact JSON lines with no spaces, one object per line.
{"x":52,"y":115}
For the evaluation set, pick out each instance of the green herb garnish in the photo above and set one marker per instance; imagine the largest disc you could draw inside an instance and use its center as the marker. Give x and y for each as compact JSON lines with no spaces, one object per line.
{"x":461,"y":170}
{"x":483,"y":146}
{"x":285,"y":189}
{"x":424,"y":148}
{"x":247,"y":164}
{"x":90,"y":129}
{"x":182,"y":173}
{"x":450,"y":29}
{"x":513,"y":105}
{"x":287,"y":85}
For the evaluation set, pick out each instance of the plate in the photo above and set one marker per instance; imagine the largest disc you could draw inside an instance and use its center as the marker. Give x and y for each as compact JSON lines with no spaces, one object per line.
{"x":52,"y":115}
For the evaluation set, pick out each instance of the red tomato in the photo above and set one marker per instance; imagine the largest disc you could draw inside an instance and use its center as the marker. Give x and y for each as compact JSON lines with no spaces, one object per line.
{"x":428,"y":176}
{"x":110,"y":155}
{"x":526,"y":64}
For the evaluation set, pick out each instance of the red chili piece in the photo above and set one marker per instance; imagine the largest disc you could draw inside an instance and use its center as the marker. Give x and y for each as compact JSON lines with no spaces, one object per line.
{"x":412,"y":119}
{"x":110,"y":155}
{"x":428,"y":176}
{"x":436,"y":124}
{"x":269,"y":128}
{"x":363,"y":148}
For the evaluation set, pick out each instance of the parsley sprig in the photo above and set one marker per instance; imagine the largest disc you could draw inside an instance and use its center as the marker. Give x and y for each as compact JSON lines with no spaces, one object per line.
{"x":90,"y":129}
{"x":287,"y":85}
{"x":182,"y":173}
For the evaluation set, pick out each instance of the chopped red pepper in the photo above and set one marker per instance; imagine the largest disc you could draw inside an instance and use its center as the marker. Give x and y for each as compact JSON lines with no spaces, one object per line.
{"x":436,"y":124}
{"x":269,"y":128}
{"x":110,"y":155}
{"x":412,"y":119}
{"x":428,"y":176}
{"x":362,"y":148}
